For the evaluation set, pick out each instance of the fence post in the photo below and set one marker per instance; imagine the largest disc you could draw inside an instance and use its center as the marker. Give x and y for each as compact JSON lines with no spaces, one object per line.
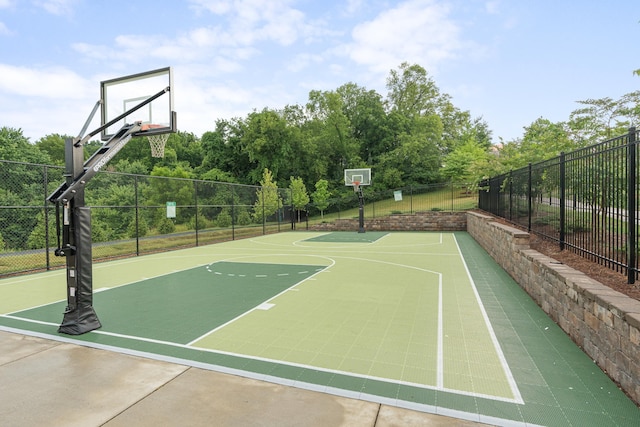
{"x":631,"y":207}
{"x":135,"y":192}
{"x":511,"y":195}
{"x":411,"y":199}
{"x":293,"y":210}
{"x":264,"y":218}
{"x":233,"y":212}
{"x":452,"y":196}
{"x":530,"y":201}
{"x":195,"y":200}
{"x":563,"y":203}
{"x":46,"y":218}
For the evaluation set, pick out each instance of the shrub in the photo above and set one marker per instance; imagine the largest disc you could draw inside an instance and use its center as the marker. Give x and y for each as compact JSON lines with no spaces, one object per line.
{"x":166,"y":226}
{"x":223,"y":219}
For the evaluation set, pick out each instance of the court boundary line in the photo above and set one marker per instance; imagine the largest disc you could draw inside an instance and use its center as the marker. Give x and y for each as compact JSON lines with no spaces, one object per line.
{"x":350,"y":394}
{"x":216,"y":367}
{"x":496,"y":344}
{"x":440,"y":329}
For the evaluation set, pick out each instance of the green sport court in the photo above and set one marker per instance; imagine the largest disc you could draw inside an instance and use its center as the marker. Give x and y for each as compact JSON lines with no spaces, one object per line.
{"x":420,"y":320}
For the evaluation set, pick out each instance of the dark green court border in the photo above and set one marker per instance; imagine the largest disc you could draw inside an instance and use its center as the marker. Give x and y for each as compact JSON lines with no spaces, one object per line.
{"x":560,"y":385}
{"x":349,"y":237}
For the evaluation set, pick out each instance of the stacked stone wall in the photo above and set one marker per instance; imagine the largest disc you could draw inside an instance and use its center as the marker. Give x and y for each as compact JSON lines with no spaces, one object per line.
{"x":422,"y":221}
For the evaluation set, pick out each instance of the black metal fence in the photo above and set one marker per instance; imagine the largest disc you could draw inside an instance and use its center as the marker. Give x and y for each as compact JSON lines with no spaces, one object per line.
{"x":130,"y":214}
{"x":585,"y":200}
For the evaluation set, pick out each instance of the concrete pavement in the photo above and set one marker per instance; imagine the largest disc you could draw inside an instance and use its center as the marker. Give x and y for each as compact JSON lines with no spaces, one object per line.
{"x":46,"y":382}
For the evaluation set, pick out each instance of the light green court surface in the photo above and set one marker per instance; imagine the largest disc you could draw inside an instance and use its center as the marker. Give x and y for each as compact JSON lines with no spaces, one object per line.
{"x":421,"y":320}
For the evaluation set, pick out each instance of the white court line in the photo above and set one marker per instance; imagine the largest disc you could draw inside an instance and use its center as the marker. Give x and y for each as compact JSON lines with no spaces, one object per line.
{"x":257,"y":375}
{"x":503,"y":361}
{"x":440,"y":334}
{"x":265,"y":302}
{"x":440,"y":354}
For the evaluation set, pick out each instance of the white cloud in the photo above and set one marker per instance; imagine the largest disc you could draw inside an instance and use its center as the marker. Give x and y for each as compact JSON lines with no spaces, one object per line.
{"x":492,"y":7}
{"x":4,"y":30}
{"x":45,"y":100}
{"x":57,"y":7}
{"x":303,"y":61}
{"x":55,"y":82}
{"x":5,"y":4}
{"x":251,"y":21}
{"x":218,"y":7}
{"x":416,"y":31}
{"x":353,"y":6}
{"x":239,"y":26}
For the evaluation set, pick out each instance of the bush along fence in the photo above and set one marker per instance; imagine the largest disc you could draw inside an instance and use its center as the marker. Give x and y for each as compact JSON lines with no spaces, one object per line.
{"x":585,"y":200}
{"x":130,"y":214}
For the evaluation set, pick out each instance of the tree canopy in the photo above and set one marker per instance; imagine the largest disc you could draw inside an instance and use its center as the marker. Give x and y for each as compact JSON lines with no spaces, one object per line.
{"x":412,"y":135}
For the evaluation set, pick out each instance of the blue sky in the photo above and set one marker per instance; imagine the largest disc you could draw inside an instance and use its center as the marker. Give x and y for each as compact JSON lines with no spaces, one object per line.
{"x":509,"y":61}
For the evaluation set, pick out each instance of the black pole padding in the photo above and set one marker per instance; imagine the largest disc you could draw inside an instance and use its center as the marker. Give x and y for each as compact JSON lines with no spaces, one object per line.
{"x":79,"y":316}
{"x":360,"y":211}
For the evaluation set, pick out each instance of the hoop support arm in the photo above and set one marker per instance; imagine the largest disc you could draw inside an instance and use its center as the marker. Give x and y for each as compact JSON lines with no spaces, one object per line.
{"x":97,"y":161}
{"x":152,"y":98}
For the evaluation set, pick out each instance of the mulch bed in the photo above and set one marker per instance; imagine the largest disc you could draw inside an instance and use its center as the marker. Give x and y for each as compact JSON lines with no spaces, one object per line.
{"x":608,"y":277}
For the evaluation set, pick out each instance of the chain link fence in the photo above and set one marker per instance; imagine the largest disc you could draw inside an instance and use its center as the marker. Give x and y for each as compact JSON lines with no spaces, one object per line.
{"x":130,"y":214}
{"x":448,"y":197}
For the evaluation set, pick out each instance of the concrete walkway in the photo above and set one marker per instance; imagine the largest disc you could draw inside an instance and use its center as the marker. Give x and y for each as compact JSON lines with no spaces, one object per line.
{"x":45,"y":382}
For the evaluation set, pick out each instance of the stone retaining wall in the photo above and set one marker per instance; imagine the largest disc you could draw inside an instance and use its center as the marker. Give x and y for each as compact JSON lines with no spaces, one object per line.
{"x":422,"y":221}
{"x":603,"y":322}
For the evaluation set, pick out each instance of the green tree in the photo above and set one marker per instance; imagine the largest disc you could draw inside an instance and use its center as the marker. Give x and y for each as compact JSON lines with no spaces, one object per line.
{"x":141,"y":230}
{"x":224,"y":219}
{"x":299,"y":195}
{"x":321,"y":196}
{"x":333,"y":144}
{"x":54,"y":146}
{"x":268,"y":201}
{"x":411,"y":91}
{"x":115,"y":219}
{"x":270,"y":143}
{"x":458,"y":127}
{"x":599,"y":119}
{"x":542,"y":140}
{"x":188,"y":148}
{"x":417,"y":156}
{"x":369,"y":123}
{"x":224,"y":150}
{"x":161,"y":190}
{"x":22,"y":185}
{"x":37,"y":237}
{"x":467,"y":163}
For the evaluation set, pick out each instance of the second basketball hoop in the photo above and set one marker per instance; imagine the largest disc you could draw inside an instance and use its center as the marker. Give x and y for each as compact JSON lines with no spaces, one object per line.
{"x":357,"y":178}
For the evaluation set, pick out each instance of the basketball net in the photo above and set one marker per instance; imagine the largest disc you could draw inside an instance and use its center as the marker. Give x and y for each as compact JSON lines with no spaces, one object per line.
{"x":157,"y":143}
{"x":356,"y":186}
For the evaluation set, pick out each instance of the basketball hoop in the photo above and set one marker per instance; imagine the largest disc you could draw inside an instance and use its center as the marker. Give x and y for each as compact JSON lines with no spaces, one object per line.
{"x":157,"y":143}
{"x":356,"y":186}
